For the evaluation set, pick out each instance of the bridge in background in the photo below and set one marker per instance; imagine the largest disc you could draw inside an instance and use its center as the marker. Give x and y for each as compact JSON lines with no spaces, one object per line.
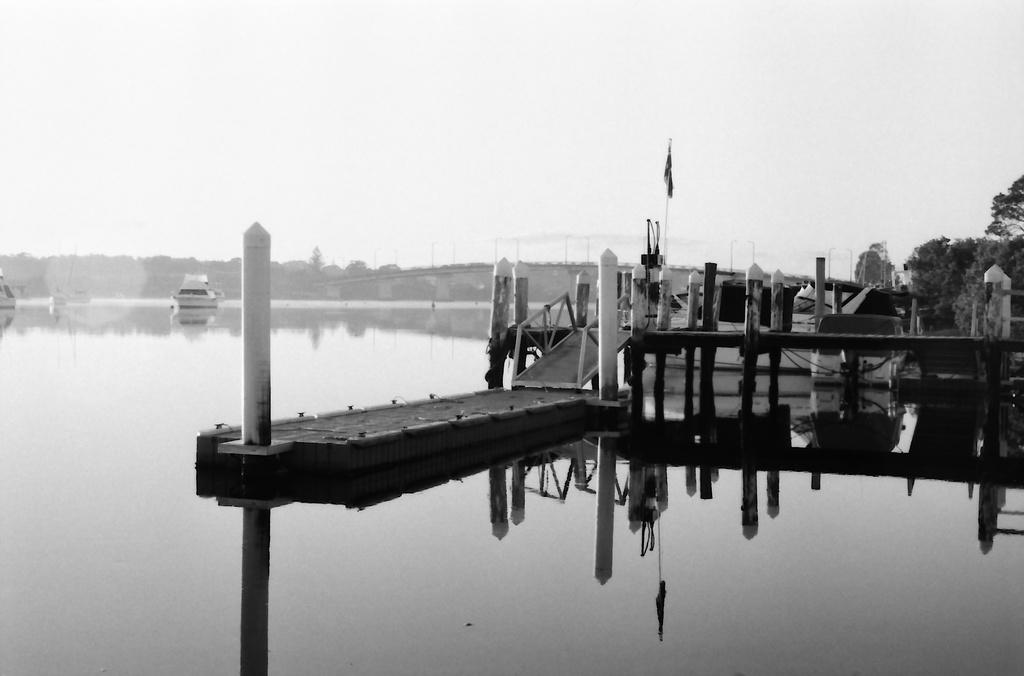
{"x":443,"y":275}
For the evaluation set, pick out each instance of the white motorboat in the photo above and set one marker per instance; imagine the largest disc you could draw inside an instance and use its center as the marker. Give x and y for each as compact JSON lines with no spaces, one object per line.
{"x":196,"y":292}
{"x":7,"y":299}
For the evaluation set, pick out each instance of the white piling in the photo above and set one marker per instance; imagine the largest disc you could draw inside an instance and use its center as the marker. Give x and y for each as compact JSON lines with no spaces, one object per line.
{"x":256,"y":336}
{"x":994,"y":277}
{"x":608,"y":309}
{"x":665,"y":301}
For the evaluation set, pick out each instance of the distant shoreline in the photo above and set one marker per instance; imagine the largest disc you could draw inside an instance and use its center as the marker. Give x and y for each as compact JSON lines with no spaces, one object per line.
{"x":274,"y":304}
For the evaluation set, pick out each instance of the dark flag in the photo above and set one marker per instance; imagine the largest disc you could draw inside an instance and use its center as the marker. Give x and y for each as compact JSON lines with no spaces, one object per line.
{"x":668,"y":171}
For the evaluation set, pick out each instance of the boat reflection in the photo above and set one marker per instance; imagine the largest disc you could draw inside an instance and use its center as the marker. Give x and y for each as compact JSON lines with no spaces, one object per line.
{"x":187,"y":316}
{"x":839,"y":431}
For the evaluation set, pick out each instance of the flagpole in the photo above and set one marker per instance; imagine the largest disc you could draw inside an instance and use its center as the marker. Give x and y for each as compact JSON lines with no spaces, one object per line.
{"x":664,"y":231}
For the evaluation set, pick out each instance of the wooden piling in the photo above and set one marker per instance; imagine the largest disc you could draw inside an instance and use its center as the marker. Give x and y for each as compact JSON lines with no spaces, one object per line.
{"x":819,"y":290}
{"x":521,"y":291}
{"x":639,"y":320}
{"x":496,"y":344}
{"x":693,"y":299}
{"x":708,"y":314}
{"x":913,"y":319}
{"x":521,"y":306}
{"x":256,"y":336}
{"x":607,"y":325}
{"x":707,"y":358}
{"x":777,"y":325}
{"x":660,"y":358}
{"x":751,"y":334}
{"x":582,"y":297}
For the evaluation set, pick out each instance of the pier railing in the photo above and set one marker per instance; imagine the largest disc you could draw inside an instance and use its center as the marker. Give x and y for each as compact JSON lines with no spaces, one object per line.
{"x":550,"y":331}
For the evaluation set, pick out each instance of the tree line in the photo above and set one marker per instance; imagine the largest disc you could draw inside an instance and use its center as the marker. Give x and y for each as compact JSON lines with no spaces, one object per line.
{"x":948,"y":275}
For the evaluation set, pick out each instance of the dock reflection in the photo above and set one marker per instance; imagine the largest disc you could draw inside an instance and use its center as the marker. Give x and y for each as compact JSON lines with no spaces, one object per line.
{"x":831,"y":432}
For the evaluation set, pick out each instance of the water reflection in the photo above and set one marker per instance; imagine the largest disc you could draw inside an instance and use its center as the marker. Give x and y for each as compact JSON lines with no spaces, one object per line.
{"x":804,"y":441}
{"x":631,"y":476}
{"x":316,"y":319}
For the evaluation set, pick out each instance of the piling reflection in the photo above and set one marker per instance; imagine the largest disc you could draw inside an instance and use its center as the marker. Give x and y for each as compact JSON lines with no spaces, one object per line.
{"x":255,"y":590}
{"x":836,"y":431}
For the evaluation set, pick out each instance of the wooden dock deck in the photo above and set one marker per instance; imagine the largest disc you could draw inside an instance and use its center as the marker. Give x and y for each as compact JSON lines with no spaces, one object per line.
{"x":359,"y":440}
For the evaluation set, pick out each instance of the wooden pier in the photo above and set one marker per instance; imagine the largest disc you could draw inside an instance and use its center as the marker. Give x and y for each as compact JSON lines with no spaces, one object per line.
{"x":362,"y":440}
{"x":548,"y":401}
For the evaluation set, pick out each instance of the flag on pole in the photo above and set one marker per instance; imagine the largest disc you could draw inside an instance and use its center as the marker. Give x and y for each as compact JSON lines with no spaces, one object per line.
{"x":668,"y":171}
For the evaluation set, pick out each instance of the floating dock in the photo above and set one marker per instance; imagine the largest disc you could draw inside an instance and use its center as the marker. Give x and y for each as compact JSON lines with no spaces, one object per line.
{"x":362,"y":440}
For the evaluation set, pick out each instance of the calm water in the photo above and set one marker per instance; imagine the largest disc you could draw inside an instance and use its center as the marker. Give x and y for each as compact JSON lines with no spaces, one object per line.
{"x":110,"y":563}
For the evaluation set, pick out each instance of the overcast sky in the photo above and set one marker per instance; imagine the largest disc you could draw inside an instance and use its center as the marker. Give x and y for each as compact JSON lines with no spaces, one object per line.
{"x":405,"y":131}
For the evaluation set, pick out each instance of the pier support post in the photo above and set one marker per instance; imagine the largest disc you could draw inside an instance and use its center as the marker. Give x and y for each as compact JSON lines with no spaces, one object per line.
{"x":608,"y":325}
{"x":660,"y":358}
{"x":777,"y":325}
{"x":819,"y":290}
{"x":751,"y":334}
{"x":693,"y":299}
{"x":496,"y":345}
{"x":521,"y":293}
{"x":693,"y":303}
{"x":639,"y":320}
{"x":994,"y":277}
{"x":913,"y":319}
{"x":709,"y":322}
{"x":582,"y":297}
{"x":256,"y":336}
{"x":708,"y":318}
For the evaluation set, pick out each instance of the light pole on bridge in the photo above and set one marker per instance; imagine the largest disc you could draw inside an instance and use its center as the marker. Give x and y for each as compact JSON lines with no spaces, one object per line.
{"x":753,"y":255}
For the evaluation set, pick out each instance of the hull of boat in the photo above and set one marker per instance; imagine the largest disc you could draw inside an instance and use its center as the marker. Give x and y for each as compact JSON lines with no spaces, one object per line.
{"x":192,"y":302}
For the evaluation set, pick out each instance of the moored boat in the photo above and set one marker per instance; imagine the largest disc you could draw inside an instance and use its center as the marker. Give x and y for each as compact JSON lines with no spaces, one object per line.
{"x":195,"y":292}
{"x":7,"y":299}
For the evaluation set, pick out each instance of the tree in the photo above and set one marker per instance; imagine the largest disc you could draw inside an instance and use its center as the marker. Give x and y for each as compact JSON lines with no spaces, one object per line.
{"x":356,"y":268}
{"x":316,"y":261}
{"x":871,"y":265}
{"x":1008,"y":212}
{"x":940,"y":268}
